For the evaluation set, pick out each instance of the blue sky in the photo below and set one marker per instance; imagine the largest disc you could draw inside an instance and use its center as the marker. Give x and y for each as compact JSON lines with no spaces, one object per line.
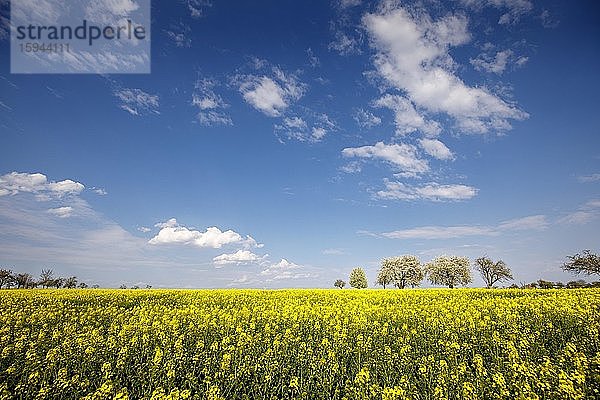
{"x":281,"y":144}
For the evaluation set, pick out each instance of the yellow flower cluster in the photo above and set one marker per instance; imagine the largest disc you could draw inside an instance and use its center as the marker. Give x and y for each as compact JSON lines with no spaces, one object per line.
{"x":300,"y":344}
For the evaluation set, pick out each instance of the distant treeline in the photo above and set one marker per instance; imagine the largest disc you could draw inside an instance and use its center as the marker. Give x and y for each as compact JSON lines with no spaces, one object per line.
{"x":47,"y":279}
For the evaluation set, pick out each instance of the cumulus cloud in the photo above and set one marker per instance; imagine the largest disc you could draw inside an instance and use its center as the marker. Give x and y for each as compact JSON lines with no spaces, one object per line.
{"x":285,"y":269}
{"x":534,"y":222}
{"x":406,"y":117}
{"x":436,"y":149}
{"x":22,"y":182}
{"x":430,"y":191}
{"x":271,"y":95}
{"x":137,"y":102}
{"x":173,"y":233}
{"x":402,"y":156}
{"x":238,"y":258}
{"x":412,"y":56}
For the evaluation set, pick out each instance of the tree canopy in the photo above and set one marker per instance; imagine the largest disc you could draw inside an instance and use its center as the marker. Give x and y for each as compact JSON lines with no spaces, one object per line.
{"x":449,"y":271}
{"x":400,"y":271}
{"x":358,"y":278}
{"x":492,"y":272}
{"x":587,"y":263}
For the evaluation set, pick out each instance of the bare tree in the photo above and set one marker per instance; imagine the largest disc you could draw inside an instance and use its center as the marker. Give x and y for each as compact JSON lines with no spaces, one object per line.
{"x":24,"y":281}
{"x":339,"y":284}
{"x":492,"y":272}
{"x":46,"y":278}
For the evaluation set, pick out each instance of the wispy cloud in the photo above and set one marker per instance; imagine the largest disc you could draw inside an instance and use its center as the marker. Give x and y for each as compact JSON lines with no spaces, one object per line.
{"x":137,"y":102}
{"x":211,"y":106}
{"x":534,"y":222}
{"x":431,"y":191}
{"x":584,"y":214}
{"x":589,"y":178}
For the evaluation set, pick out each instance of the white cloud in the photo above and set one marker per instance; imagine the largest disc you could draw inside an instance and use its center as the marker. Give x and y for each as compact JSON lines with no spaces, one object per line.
{"x":406,"y":117}
{"x":430,"y":191}
{"x":438,"y":232}
{"x":239,"y":257}
{"x":496,"y":64}
{"x":589,"y":178}
{"x":298,"y":127}
{"x":211,"y":106}
{"x":403,"y":156}
{"x":366,"y":119}
{"x":173,"y":233}
{"x":413,"y":57}
{"x":352,"y":167}
{"x":312,"y":59}
{"x":99,"y":191}
{"x":344,"y":44}
{"x":548,"y":21}
{"x":333,"y":252}
{"x":526,"y":223}
{"x":61,"y":212}
{"x":295,"y":123}
{"x":586,"y":213}
{"x":318,"y":133}
{"x":271,"y":95}
{"x":534,"y":222}
{"x":65,"y":188}
{"x":348,"y":3}
{"x":285,"y":269}
{"x":180,"y":34}
{"x":436,"y":149}
{"x":137,"y":102}
{"x":17,"y":182}
{"x":144,"y":229}
{"x":197,"y":7}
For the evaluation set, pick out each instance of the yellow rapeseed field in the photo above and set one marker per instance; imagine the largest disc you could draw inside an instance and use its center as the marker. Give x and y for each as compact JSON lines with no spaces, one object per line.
{"x":300,"y":344}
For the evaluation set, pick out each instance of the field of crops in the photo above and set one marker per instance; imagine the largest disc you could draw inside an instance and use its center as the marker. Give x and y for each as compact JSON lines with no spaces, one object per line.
{"x":309,"y":344}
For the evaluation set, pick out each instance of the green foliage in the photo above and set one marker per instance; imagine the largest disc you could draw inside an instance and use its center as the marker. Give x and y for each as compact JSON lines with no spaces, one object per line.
{"x":358,"y":278}
{"x":587,"y":263}
{"x":7,"y":278}
{"x":401,"y":271}
{"x":339,"y":284}
{"x":449,"y":271}
{"x":492,"y":272}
